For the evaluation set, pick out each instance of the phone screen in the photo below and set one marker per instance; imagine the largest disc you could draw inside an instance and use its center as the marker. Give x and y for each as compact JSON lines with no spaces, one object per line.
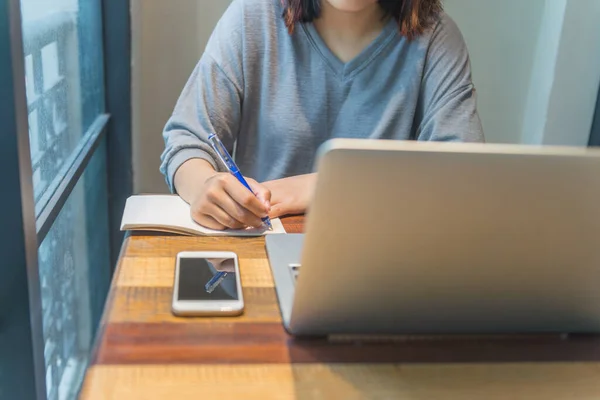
{"x":202,"y":279}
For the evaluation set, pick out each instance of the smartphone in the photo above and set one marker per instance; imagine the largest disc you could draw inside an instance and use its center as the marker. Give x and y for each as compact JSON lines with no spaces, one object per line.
{"x":207,"y":284}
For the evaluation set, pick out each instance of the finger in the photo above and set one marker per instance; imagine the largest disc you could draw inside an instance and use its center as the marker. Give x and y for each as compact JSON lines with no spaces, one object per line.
{"x":223,"y":218}
{"x":279,"y":210}
{"x":245,"y":217}
{"x":245,"y":198}
{"x":262,"y":192}
{"x":216,"y":199}
{"x":208,"y":222}
{"x":285,"y":208}
{"x":227,"y":265}
{"x":275,"y":200}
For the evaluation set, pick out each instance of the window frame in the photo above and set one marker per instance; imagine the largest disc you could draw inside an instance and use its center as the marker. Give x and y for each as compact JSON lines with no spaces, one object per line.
{"x":21,"y":233}
{"x":117,"y":75}
{"x":21,"y":332}
{"x":595,"y":131}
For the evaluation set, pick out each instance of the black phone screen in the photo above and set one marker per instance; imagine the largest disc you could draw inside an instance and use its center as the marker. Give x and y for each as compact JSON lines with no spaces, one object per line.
{"x":202,"y":279}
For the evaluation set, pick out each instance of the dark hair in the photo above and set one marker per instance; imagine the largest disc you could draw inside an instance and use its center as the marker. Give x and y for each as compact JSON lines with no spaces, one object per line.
{"x":413,"y":16}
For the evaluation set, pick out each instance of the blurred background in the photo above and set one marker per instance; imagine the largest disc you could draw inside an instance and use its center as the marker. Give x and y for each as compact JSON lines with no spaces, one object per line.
{"x":536,"y":67}
{"x":101,"y":78}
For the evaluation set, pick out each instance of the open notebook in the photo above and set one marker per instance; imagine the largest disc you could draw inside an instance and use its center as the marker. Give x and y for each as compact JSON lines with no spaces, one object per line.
{"x":169,"y":213}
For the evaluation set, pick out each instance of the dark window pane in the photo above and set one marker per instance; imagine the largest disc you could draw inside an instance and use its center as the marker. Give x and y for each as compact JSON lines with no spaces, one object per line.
{"x":74,"y":277}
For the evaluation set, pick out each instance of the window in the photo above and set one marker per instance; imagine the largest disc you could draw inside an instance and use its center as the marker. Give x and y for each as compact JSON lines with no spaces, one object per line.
{"x":64,"y":81}
{"x":74,"y":278}
{"x":66,"y":166}
{"x":59,"y":68}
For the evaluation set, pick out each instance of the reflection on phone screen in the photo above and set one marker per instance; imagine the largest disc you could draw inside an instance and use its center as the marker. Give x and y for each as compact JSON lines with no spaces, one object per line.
{"x":195,"y":273}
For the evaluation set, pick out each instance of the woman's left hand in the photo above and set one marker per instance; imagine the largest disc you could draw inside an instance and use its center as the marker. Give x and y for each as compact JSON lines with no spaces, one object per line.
{"x":291,"y":196}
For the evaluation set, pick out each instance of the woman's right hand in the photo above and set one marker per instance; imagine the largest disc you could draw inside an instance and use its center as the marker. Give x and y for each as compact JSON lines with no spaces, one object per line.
{"x":218,"y":200}
{"x":223,"y":202}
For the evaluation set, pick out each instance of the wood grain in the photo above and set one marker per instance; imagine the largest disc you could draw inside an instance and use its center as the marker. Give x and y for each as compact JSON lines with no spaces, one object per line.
{"x":216,"y":342}
{"x":144,"y":352}
{"x":341,"y":381}
{"x":293,"y":224}
{"x":143,"y":304}
{"x":160,"y":272}
{"x":151,"y":246}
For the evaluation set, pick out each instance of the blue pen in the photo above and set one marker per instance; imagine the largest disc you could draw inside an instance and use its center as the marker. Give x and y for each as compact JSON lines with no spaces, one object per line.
{"x":218,"y":146}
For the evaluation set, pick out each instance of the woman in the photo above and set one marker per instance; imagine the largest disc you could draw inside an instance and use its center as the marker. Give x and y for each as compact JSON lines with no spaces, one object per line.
{"x":278,"y":78}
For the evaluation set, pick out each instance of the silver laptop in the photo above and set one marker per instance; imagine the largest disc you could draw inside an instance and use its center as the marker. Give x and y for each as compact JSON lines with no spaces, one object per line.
{"x":442,"y":238}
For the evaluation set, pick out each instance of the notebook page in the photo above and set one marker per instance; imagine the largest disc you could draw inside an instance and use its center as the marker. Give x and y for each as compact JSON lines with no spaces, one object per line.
{"x":170,"y":211}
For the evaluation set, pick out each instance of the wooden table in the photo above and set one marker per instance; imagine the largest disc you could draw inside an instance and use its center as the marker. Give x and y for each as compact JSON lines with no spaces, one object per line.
{"x":144,"y":352}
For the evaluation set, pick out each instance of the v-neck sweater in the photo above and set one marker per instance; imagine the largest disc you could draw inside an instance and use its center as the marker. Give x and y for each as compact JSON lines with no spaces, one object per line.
{"x":347,"y":70}
{"x":276,"y":97}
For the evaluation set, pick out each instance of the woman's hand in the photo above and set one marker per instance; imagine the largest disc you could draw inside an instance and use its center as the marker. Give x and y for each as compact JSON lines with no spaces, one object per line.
{"x":222,"y":264}
{"x":218,"y":200}
{"x":291,"y":196}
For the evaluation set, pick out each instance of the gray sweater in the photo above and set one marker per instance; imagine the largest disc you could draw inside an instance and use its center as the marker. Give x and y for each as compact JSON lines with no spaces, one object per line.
{"x":276,"y":97}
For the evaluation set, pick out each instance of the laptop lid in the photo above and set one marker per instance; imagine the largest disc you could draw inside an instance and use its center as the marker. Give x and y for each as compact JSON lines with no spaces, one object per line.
{"x":408,"y":237}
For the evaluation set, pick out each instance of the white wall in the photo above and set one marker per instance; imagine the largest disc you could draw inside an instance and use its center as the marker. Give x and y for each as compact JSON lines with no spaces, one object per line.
{"x":536,"y":65}
{"x":568,"y":43}
{"x":543,"y":71}
{"x":502,"y":37}
{"x":168,"y":40}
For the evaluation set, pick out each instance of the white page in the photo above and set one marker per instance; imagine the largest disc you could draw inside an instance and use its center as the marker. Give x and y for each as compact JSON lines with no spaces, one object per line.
{"x":170,"y":212}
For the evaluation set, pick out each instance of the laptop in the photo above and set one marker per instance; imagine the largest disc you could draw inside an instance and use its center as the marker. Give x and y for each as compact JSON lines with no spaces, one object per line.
{"x":444,"y":238}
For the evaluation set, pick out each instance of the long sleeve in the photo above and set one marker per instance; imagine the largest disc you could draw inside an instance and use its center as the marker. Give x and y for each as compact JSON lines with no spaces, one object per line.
{"x":448,"y":99}
{"x":210,"y":101}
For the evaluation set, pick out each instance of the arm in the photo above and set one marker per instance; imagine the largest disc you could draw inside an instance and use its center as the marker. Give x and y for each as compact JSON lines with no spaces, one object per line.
{"x":210,"y":102}
{"x":447,"y":109}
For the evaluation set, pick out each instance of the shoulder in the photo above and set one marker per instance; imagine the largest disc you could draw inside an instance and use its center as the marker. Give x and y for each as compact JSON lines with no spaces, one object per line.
{"x":267,"y":8}
{"x":442,"y":45}
{"x":445,"y":23}
{"x":444,"y":34}
{"x":244,"y":28}
{"x":251,"y":22}
{"x":250,"y":14}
